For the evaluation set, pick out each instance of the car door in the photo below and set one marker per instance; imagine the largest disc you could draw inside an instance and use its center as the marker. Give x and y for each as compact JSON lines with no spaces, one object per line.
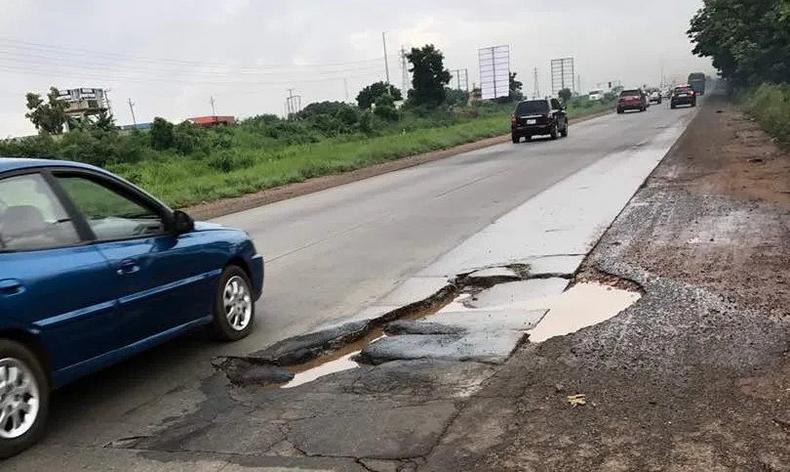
{"x":559,"y":113}
{"x":168,"y":279}
{"x":52,"y":284}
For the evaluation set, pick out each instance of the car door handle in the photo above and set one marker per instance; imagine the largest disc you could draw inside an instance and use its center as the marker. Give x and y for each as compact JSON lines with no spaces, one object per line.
{"x":127,"y":266}
{"x":11,"y":287}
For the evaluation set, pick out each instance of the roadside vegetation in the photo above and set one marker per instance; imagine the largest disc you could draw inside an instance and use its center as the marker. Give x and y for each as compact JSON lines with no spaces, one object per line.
{"x":186,"y":164}
{"x":770,"y":106}
{"x":749,"y":43}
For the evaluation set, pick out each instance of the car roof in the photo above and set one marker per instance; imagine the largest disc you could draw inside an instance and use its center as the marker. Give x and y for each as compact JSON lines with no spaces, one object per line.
{"x":17,"y":163}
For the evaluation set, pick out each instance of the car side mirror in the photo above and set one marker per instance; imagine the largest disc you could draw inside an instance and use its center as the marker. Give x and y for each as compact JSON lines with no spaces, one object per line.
{"x":182,"y":223}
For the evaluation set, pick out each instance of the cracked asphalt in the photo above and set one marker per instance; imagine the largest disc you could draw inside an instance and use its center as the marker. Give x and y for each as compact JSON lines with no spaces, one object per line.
{"x":177,"y":407}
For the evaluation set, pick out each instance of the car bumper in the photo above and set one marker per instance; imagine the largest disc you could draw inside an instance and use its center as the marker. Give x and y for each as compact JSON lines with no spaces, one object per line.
{"x":630,"y":106}
{"x":530,"y":130}
{"x":683,"y":100}
{"x":256,"y":275}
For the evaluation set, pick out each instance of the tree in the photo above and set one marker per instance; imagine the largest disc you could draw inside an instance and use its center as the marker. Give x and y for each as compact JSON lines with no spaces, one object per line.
{"x":565,"y":95}
{"x":429,"y":76}
{"x":749,"y":41}
{"x":385,"y":108}
{"x":368,"y":95}
{"x":47,"y":117}
{"x":322,"y":108}
{"x":161,"y":134}
{"x":515,"y":88}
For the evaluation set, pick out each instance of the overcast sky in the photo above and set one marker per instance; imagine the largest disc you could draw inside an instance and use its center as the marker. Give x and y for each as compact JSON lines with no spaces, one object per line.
{"x":171,"y":56}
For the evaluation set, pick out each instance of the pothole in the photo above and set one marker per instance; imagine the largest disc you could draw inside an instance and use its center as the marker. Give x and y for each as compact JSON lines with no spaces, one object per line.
{"x":303,"y":359}
{"x":582,"y":305}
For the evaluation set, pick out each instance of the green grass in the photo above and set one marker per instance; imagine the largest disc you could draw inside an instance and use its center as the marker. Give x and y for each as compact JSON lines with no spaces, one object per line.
{"x":247,"y":167}
{"x":770,"y":106}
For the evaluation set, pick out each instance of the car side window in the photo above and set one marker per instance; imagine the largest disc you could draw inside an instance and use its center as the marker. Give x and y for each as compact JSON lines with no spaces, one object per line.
{"x":31,"y":217}
{"x":555,"y":104}
{"x":110,"y":214}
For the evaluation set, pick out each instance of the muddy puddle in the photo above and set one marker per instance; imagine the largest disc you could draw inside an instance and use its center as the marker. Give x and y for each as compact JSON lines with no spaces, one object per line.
{"x":584,"y":304}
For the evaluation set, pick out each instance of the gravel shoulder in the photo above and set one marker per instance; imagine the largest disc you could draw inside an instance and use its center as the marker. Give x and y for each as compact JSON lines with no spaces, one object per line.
{"x":696,"y":374}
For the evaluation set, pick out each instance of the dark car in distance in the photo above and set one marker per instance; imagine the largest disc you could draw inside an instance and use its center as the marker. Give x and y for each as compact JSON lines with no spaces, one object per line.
{"x":683,"y":95}
{"x":94,"y":270}
{"x":632,"y":100}
{"x":545,"y":116}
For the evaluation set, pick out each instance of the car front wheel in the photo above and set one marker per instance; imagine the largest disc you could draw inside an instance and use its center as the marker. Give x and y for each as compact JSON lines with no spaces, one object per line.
{"x":234,"y":305}
{"x":564,"y":131}
{"x":24,"y":398}
{"x":514,"y":137}
{"x":554,"y":132}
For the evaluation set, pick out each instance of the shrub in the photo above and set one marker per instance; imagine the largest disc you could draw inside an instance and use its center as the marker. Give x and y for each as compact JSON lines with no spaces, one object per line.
{"x":770,"y":106}
{"x":39,"y":146}
{"x":228,"y":161}
{"x":161,"y":134}
{"x":188,"y":138}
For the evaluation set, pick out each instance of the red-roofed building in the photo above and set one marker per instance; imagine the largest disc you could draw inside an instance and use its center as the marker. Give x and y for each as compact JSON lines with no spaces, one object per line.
{"x":209,"y":121}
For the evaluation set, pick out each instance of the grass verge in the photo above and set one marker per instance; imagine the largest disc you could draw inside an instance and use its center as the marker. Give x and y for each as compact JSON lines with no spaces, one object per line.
{"x":183,"y":182}
{"x":770,"y":105}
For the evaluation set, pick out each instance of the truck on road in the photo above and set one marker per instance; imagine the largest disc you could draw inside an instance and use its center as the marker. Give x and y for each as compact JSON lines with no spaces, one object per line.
{"x":696,"y":81}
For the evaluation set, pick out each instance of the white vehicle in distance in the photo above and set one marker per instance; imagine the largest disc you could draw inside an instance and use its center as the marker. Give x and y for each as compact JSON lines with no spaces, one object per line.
{"x":595,"y":95}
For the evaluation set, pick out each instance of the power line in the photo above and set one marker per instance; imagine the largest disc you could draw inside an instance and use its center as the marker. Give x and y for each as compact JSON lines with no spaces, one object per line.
{"x":25,"y":46}
{"x":45,"y":61}
{"x":82,"y":74}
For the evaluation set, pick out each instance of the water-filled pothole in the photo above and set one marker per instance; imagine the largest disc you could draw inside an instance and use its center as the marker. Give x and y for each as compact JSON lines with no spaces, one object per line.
{"x":490,"y":294}
{"x":582,"y":305}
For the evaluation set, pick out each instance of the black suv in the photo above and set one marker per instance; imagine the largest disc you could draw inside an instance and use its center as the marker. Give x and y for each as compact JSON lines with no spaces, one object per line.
{"x":683,"y":95}
{"x":533,"y":117}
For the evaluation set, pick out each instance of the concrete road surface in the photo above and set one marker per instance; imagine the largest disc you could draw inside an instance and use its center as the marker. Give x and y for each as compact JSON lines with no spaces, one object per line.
{"x":333,"y":253}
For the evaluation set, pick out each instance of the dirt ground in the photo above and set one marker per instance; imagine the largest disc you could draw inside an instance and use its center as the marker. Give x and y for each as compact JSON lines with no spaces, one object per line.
{"x":695,"y":375}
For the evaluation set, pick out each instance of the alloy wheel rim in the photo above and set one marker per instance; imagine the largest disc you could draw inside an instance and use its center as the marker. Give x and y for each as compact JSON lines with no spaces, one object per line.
{"x":237,"y":303}
{"x":19,"y":398}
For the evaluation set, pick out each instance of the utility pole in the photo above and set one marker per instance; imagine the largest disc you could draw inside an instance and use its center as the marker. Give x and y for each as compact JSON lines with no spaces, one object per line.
{"x":535,"y":86}
{"x":386,"y":63}
{"x":131,"y":108}
{"x":405,"y":71}
{"x":213,"y":111}
{"x":579,"y":83}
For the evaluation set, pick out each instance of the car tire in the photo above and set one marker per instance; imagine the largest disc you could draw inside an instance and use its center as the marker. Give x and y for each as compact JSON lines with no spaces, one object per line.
{"x":564,"y":131}
{"x":234,"y":306}
{"x":35,"y":395}
{"x":515,"y":138}
{"x":672,"y":106}
{"x":555,"y":133}
{"x":619,"y":111}
{"x":694,"y":104}
{"x":528,"y":137}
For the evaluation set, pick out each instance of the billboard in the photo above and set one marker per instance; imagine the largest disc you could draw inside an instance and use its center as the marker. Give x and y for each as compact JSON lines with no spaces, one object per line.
{"x":562,"y":75}
{"x":494,"y":72}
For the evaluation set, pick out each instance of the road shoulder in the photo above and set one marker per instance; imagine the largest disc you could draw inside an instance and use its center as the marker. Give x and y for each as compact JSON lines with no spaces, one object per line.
{"x":696,"y":374}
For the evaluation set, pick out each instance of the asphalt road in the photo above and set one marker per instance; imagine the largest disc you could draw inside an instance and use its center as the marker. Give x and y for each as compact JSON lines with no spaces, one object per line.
{"x":332,"y":253}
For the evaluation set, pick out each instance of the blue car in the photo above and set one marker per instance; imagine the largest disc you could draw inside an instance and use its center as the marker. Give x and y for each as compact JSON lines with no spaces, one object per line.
{"x":94,"y":270}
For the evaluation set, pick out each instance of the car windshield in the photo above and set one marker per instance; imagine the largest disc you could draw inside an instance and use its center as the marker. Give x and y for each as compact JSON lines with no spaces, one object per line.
{"x":629,"y":93}
{"x":532,"y":107}
{"x":682,"y":90}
